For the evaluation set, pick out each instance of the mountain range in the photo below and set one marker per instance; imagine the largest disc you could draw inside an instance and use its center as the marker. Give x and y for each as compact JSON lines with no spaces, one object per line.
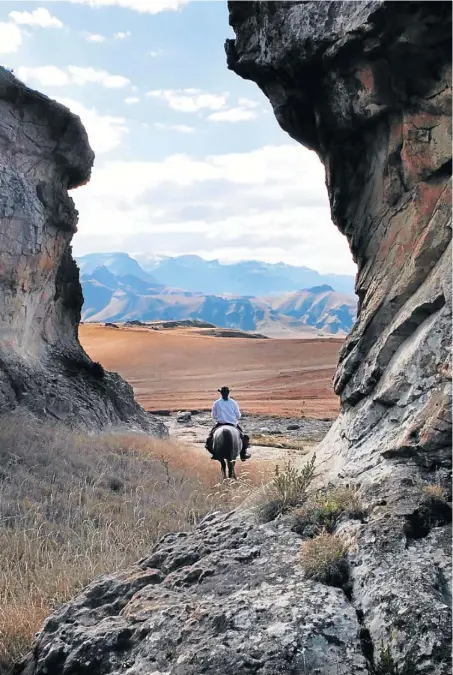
{"x":211,"y":277}
{"x":117,"y":288}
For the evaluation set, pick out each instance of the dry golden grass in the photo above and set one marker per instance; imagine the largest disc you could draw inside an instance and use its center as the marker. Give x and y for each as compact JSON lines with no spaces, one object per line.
{"x":283,"y":442}
{"x":73,"y":506}
{"x":324,"y":558}
{"x":434,"y":491}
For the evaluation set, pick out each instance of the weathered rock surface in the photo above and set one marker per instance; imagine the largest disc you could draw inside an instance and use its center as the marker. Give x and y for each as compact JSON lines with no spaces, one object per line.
{"x":44,"y":152}
{"x":231,"y":598}
{"x":367,"y":85}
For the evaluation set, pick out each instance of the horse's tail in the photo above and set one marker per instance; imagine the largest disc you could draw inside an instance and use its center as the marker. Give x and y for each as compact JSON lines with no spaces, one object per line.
{"x":227,"y":445}
{"x":229,"y":451}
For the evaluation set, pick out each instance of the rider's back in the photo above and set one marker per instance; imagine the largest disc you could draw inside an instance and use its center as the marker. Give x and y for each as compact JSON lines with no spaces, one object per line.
{"x":226,"y":411}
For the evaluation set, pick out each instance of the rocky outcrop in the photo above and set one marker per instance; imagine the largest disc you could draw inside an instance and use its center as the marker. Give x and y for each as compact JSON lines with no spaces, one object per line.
{"x":44,"y":152}
{"x":366,"y":85}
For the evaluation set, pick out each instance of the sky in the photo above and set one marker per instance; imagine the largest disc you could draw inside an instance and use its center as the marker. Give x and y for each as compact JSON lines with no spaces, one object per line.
{"x":189,"y":157}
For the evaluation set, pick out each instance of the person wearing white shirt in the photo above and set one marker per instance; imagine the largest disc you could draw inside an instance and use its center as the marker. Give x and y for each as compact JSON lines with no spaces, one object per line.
{"x":226,"y":411}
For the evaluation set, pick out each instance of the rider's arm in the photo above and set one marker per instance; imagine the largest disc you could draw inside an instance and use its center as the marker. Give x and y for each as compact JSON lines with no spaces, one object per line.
{"x":214,"y":411}
{"x":237,"y":411}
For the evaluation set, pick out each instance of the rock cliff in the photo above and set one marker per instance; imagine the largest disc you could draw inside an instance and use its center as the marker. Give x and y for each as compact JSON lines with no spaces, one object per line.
{"x":44,"y":152}
{"x":367,"y":86}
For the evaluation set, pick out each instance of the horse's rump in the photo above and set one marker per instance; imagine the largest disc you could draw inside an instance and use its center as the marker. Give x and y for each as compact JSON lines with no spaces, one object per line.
{"x":227,"y":443}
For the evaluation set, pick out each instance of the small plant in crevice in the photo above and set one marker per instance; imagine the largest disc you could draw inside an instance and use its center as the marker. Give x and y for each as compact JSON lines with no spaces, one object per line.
{"x":324,"y":559}
{"x":323,"y":511}
{"x":386,"y":664}
{"x":286,"y":490}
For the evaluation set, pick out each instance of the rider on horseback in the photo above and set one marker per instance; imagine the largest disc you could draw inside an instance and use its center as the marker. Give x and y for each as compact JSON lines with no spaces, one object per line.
{"x":226,"y":411}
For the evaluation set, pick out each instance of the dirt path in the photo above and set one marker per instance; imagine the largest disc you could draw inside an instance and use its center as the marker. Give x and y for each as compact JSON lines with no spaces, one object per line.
{"x":273,"y":438}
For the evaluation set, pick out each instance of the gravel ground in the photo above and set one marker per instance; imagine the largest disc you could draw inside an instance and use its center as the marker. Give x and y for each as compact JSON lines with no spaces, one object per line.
{"x":303,"y":433}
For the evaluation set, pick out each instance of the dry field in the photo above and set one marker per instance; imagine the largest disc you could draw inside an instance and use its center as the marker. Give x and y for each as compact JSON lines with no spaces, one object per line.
{"x":181,"y":369}
{"x":73,"y":506}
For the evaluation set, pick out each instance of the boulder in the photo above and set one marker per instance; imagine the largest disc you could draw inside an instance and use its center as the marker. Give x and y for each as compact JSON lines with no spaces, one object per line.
{"x":183,"y":416}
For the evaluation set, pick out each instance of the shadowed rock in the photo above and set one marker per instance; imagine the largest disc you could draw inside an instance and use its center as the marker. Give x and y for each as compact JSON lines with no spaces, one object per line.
{"x":366,"y":85}
{"x":44,"y":152}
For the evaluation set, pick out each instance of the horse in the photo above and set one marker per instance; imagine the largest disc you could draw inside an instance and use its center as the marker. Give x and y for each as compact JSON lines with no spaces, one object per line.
{"x":227,"y":444}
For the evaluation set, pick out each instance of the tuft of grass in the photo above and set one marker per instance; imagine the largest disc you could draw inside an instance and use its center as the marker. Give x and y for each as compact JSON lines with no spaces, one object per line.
{"x":324,"y":510}
{"x":287,"y":489}
{"x":434,"y":492}
{"x":324,"y":559}
{"x":74,"y":505}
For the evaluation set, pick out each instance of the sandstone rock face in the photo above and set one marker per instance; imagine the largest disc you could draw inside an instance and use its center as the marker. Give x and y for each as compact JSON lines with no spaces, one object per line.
{"x":366,"y":85}
{"x":44,"y":152}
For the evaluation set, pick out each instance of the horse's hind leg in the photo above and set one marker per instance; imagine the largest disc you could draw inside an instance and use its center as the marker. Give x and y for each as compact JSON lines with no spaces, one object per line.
{"x":223,"y":465}
{"x":231,"y":470}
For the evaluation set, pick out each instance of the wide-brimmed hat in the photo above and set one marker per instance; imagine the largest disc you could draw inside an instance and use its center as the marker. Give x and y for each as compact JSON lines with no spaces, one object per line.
{"x":224,"y":390}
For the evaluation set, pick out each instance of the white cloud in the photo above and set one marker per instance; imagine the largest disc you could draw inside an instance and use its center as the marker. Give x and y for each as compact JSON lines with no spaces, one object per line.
{"x":10,"y":38}
{"x":48,"y":76}
{"x":122,"y":36}
{"x":180,"y":128}
{"x":131,"y":100}
{"x":105,"y":133}
{"x":52,"y":76}
{"x":190,"y":100}
{"x":95,"y":37}
{"x":261,"y":170}
{"x":40,"y":17}
{"x":269,"y":203}
{"x":233,"y":115}
{"x":248,"y":103}
{"x":143,"y":6}
{"x":82,"y":76}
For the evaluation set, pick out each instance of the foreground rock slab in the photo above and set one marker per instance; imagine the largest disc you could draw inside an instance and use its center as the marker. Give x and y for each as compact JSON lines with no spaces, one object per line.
{"x":44,"y":152}
{"x":232,"y":598}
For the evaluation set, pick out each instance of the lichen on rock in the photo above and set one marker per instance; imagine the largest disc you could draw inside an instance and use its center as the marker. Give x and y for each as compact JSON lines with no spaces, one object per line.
{"x":44,"y":152}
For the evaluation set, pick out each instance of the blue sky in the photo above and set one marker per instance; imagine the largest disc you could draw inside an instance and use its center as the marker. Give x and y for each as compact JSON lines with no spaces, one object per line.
{"x":189,"y":157}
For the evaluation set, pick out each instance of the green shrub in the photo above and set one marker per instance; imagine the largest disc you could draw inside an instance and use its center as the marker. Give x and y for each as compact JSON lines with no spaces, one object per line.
{"x":287,"y":490}
{"x":323,"y":511}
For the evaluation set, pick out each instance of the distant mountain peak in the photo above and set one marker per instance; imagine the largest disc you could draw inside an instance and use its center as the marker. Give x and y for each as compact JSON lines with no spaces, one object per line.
{"x":323,"y":288}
